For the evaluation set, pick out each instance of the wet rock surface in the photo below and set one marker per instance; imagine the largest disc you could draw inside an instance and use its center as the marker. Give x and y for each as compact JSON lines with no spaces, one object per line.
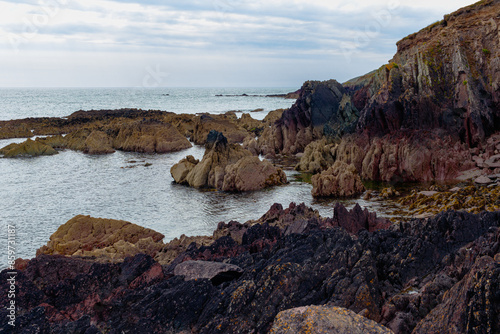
{"x":422,"y":276}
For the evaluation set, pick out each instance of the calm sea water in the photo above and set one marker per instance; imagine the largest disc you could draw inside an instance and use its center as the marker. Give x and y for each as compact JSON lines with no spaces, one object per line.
{"x":40,"y":194}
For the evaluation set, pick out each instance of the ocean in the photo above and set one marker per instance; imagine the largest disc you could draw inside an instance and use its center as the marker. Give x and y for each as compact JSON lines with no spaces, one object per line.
{"x":40,"y":194}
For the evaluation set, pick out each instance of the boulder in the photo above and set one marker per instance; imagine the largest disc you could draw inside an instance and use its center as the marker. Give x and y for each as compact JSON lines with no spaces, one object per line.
{"x":357,"y":219}
{"x":324,"y":319}
{"x":181,"y":170}
{"x":29,"y":148}
{"x":340,"y":180}
{"x":106,"y":238}
{"x":214,"y":271}
{"x":250,"y":173}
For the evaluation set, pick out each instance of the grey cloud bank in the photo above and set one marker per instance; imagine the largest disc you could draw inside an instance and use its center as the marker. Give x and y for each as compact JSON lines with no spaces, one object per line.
{"x":209,"y":43}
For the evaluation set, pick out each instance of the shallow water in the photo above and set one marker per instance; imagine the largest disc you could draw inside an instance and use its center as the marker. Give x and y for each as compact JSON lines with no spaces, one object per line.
{"x":40,"y":194}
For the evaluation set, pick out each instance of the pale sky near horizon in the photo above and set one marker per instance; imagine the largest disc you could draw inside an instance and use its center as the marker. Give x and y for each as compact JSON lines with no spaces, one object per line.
{"x":194,"y":43}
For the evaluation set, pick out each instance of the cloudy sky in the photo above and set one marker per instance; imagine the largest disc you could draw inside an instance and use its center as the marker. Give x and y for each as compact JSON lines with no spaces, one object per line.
{"x":103,"y":43}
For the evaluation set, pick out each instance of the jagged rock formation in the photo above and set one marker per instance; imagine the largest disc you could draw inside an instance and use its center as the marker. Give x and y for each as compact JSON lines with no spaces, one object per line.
{"x":323,"y":108}
{"x":227,"y":167}
{"x":436,"y":275}
{"x":441,"y":88}
{"x":340,"y":180}
{"x":445,"y":76}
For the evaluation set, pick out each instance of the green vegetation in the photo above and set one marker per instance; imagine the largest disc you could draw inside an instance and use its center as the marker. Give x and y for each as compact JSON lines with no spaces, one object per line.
{"x":392,"y":65}
{"x":465,"y":82}
{"x":486,"y":52}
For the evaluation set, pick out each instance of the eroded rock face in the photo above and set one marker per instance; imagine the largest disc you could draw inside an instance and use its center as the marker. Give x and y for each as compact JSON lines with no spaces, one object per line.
{"x":29,"y":148}
{"x":323,"y":108}
{"x":340,"y":180}
{"x":413,"y":156}
{"x":324,"y":319}
{"x":445,"y":76}
{"x":102,"y":238}
{"x":318,"y":156}
{"x":227,"y":167}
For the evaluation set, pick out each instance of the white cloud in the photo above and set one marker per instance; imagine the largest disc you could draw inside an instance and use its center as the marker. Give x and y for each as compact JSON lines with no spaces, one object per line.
{"x":194,"y":34}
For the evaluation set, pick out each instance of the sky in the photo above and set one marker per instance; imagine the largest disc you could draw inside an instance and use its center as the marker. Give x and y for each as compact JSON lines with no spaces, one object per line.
{"x":202,"y":43}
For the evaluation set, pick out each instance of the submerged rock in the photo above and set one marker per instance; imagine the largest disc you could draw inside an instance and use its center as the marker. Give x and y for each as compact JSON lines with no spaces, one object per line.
{"x":29,"y":148}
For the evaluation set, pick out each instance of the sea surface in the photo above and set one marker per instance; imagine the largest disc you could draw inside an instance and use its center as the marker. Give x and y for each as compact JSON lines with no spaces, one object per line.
{"x":40,"y":194}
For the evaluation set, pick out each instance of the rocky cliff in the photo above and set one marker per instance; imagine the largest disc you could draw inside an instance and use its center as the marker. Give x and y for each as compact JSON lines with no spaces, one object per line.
{"x":440,"y":93}
{"x":446,"y":76}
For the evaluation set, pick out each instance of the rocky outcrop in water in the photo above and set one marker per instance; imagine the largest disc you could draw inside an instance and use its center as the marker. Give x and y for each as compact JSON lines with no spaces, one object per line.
{"x":227,"y":167}
{"x":435,"y":275}
{"x":220,"y":123}
{"x":102,"y":238}
{"x":29,"y":148}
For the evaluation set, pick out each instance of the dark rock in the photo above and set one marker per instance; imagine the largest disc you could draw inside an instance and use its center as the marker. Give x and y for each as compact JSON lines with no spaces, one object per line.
{"x":412,"y":276}
{"x":358,"y":219}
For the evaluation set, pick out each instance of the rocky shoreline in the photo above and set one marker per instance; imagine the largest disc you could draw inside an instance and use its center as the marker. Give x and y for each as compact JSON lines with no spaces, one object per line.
{"x":420,"y":276}
{"x":432,"y":114}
